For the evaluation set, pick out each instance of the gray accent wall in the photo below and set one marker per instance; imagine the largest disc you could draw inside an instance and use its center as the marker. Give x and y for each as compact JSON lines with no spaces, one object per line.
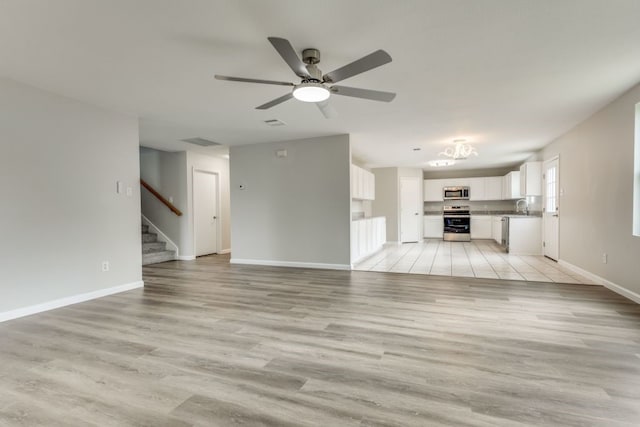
{"x":61,"y":217}
{"x":294,"y":209}
{"x":596,"y":177}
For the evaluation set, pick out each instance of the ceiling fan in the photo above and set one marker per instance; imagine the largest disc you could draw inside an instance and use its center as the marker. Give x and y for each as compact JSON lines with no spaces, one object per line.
{"x":314,"y":86}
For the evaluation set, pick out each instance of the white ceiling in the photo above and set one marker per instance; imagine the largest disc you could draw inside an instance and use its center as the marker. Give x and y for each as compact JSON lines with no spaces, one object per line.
{"x":508,"y":75}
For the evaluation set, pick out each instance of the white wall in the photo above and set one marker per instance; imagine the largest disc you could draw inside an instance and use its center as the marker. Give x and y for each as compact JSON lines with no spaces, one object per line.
{"x":596,"y":176}
{"x":61,"y":217}
{"x":171,"y":174}
{"x":294,"y":210}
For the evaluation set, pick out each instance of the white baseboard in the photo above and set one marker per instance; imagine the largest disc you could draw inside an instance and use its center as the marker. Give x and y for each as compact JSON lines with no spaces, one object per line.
{"x":295,"y":264}
{"x":602,"y":281}
{"x":61,"y":302}
{"x":186,"y":257}
{"x":225,"y":251}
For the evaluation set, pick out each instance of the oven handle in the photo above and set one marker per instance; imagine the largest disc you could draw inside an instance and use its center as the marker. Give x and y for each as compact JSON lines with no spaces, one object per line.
{"x":456,"y":216}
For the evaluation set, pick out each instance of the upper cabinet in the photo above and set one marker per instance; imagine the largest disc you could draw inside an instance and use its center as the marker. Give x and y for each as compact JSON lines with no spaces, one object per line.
{"x":363,"y":184}
{"x":433,"y":189}
{"x":531,"y":179}
{"x":485,"y":188}
{"x":493,"y":188}
{"x":511,"y":186}
{"x":477,"y":188}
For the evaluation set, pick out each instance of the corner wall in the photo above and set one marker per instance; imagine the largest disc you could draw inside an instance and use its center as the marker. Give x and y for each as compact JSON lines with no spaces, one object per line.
{"x":596,"y":178}
{"x":293,"y":211}
{"x":61,"y":217}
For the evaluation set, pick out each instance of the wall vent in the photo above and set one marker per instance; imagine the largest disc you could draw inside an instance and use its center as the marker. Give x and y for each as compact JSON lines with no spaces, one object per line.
{"x":275,"y":122}
{"x":201,"y":142}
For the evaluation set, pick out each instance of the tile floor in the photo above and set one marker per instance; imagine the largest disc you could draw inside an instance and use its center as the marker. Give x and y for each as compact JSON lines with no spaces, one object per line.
{"x":479,"y":258}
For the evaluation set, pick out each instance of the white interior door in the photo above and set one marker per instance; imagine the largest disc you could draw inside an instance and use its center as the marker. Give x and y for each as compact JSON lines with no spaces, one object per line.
{"x":205,"y":212}
{"x":410,"y":210}
{"x":551,"y":207}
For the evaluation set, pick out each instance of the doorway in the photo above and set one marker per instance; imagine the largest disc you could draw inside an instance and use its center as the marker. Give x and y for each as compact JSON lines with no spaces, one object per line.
{"x":205,"y":212}
{"x":410,"y":210}
{"x":551,"y":207}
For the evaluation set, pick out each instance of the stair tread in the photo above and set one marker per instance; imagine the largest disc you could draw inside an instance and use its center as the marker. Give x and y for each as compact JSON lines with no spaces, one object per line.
{"x":157,"y":257}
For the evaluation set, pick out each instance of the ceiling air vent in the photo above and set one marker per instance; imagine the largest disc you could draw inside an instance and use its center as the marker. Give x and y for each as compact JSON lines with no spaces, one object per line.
{"x":275,"y":122}
{"x":201,"y":142}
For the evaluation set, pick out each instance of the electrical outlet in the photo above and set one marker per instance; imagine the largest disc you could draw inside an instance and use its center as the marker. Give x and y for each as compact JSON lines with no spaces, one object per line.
{"x":105,"y":265}
{"x":604,"y":258}
{"x":129,"y":191}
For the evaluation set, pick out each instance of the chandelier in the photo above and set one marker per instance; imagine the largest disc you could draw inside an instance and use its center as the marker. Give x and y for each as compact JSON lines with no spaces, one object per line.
{"x":460,"y":151}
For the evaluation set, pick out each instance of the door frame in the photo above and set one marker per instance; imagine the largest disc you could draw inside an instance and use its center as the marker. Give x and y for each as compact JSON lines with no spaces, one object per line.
{"x":544,"y":194}
{"x":195,"y":170}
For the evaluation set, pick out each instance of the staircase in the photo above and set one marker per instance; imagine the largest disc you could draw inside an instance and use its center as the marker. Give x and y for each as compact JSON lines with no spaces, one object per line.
{"x":154,"y":251}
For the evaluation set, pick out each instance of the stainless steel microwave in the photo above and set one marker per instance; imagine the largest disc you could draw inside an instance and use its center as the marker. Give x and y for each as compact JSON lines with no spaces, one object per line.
{"x":455,"y":193}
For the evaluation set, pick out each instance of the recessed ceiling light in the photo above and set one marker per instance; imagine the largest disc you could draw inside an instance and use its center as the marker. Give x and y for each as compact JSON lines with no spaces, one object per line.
{"x":441,"y":163}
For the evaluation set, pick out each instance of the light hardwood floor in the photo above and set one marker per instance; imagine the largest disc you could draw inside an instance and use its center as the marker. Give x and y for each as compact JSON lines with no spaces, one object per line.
{"x":212,"y":344}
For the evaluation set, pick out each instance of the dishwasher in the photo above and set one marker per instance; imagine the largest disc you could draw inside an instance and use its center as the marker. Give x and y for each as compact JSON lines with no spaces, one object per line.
{"x":505,"y":233}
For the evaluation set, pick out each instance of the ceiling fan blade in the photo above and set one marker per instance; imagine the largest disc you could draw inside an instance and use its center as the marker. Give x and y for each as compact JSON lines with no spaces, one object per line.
{"x":373,"y":60}
{"x":275,"y":102}
{"x":374,"y":95}
{"x":289,"y":55}
{"x":242,"y":79}
{"x":327,"y":109}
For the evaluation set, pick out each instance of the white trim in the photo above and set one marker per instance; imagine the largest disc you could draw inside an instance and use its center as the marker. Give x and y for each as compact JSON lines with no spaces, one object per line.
{"x":186,"y":257}
{"x":294,"y":264}
{"x":225,"y":251}
{"x":602,"y":281}
{"x":161,"y":236}
{"x":61,"y":302}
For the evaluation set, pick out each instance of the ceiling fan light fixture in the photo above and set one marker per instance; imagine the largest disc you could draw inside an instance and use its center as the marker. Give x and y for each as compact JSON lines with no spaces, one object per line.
{"x":311,"y":92}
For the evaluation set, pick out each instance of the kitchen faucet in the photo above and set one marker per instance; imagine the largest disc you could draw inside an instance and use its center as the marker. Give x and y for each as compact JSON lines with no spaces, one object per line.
{"x":526,"y":206}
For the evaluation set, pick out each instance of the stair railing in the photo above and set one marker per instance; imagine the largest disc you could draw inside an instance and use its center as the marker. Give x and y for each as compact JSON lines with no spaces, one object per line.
{"x":159,"y":197}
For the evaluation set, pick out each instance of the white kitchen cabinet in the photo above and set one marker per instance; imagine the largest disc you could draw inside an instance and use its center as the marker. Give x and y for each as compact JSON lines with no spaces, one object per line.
{"x":531,"y":179}
{"x":477,"y":188}
{"x":496,"y":229}
{"x":511,"y":186}
{"x":362,"y":184}
{"x":481,"y":227}
{"x":368,"y":235}
{"x":493,"y":188}
{"x":433,"y":226}
{"x":525,"y":235}
{"x":433,"y":189}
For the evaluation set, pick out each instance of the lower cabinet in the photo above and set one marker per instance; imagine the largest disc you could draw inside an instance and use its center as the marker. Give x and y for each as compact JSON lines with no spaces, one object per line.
{"x":481,"y":227}
{"x":433,"y":226}
{"x":367,"y":237}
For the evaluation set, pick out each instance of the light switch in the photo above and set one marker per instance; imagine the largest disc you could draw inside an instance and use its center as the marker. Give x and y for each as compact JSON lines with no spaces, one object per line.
{"x":119,"y":187}
{"x":129,"y":191}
